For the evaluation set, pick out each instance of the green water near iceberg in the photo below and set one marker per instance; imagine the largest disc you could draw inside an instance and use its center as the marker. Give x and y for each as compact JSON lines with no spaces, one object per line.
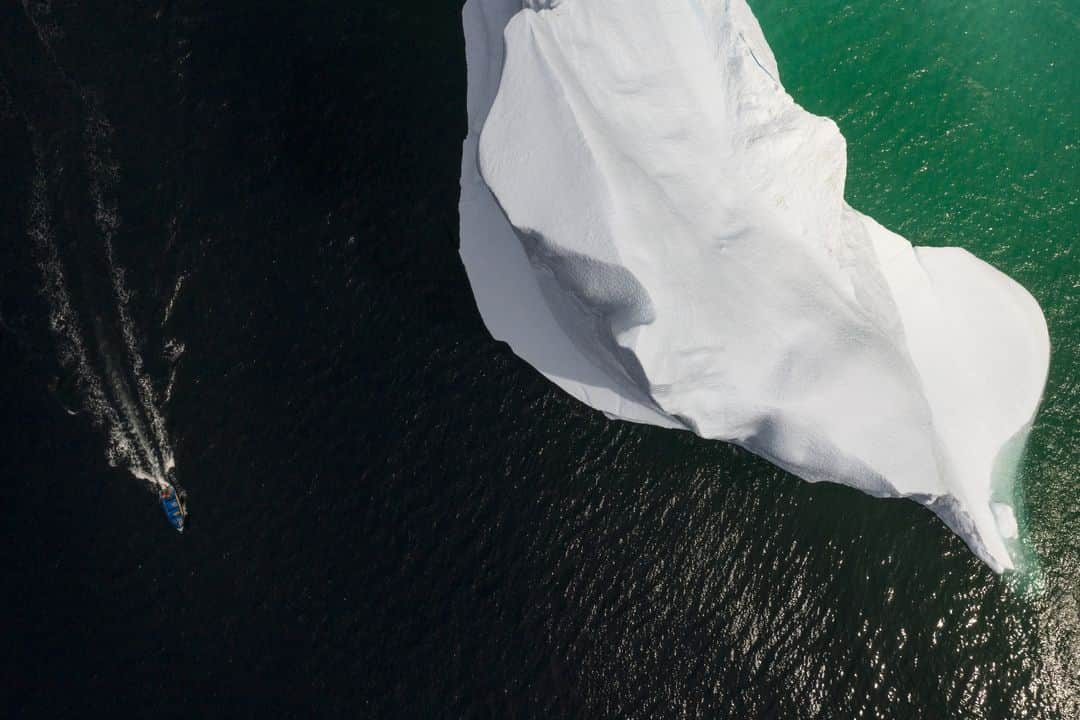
{"x":961,"y":122}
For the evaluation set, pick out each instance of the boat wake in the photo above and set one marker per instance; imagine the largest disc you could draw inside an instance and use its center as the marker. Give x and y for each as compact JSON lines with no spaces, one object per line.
{"x":112,"y":384}
{"x":100,"y":349}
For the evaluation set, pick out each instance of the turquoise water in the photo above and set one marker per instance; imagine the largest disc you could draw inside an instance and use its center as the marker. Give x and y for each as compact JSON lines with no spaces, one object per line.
{"x":961,"y":122}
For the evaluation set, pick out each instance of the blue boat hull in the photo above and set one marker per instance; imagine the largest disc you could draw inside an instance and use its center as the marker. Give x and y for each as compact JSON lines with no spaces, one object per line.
{"x":174,"y":511}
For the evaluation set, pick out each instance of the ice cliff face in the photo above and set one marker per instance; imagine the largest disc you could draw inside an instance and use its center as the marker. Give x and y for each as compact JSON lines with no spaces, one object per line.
{"x":652,"y":222}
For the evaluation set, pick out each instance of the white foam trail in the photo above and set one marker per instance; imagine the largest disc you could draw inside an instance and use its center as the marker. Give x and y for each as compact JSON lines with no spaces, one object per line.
{"x":126,"y":444}
{"x":173,"y":348}
{"x":103,"y":177}
{"x":131,"y":413}
{"x":172,"y":300}
{"x":123,"y":447}
{"x":173,"y":351}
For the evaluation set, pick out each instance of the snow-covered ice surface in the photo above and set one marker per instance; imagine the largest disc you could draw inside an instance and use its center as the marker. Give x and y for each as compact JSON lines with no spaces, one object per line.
{"x":654,"y":224}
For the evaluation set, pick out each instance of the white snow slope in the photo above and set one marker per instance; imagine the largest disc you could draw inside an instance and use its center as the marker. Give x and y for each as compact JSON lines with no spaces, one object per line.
{"x":652,"y":222}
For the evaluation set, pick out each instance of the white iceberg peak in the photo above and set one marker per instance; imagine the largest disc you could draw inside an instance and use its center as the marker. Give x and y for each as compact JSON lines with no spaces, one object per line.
{"x":652,"y":222}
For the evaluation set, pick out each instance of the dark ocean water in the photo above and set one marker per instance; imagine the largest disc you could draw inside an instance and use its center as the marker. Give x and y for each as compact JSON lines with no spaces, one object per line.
{"x":240,"y":220}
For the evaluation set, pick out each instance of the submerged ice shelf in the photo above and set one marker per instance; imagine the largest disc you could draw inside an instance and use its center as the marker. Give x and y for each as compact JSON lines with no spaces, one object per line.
{"x":653,"y":223}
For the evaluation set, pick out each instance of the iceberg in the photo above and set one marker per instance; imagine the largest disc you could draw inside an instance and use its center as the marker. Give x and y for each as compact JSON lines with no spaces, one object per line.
{"x":654,"y":224}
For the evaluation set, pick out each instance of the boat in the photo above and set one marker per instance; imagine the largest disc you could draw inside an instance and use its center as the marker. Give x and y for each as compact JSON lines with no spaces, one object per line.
{"x":173,"y":505}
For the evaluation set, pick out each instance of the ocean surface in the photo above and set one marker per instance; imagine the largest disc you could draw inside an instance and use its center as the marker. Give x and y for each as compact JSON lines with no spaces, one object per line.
{"x":228,"y":252}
